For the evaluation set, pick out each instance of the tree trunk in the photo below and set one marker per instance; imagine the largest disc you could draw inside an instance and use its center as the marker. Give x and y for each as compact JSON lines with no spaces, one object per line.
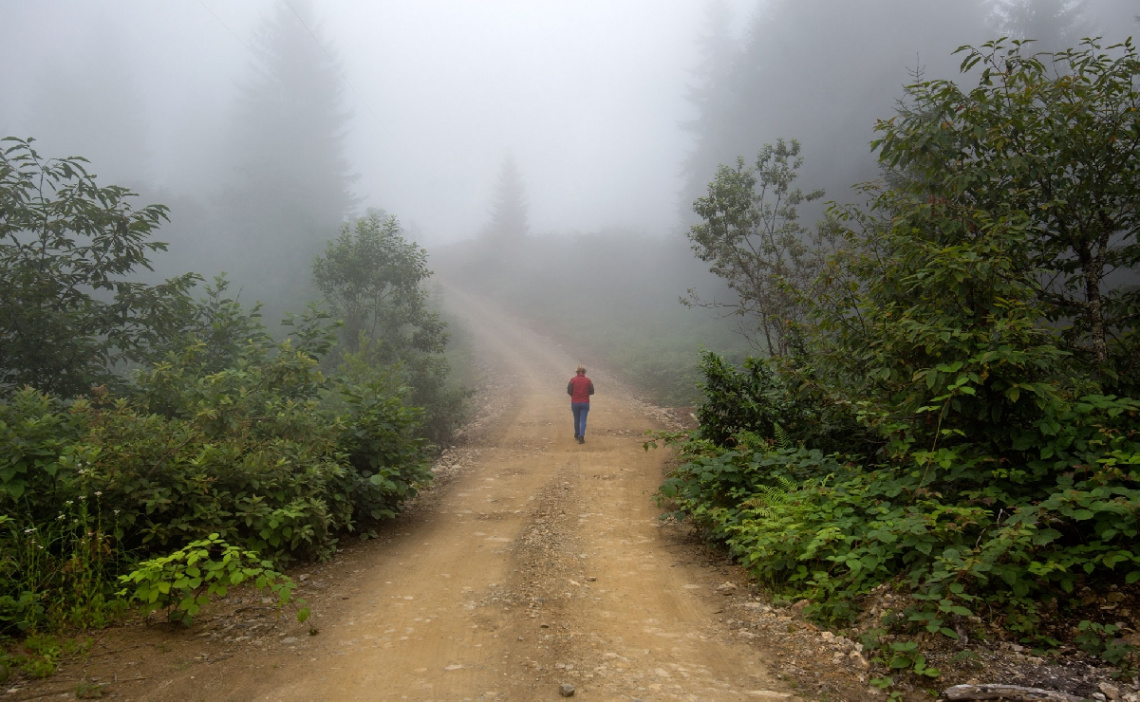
{"x":1095,"y":312}
{"x":768,"y":334}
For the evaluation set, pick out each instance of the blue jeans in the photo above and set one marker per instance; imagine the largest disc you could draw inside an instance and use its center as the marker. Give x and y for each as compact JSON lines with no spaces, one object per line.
{"x":580,"y":409}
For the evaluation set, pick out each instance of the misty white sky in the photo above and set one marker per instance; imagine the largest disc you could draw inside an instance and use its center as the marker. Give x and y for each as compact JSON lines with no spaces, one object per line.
{"x":587,"y":95}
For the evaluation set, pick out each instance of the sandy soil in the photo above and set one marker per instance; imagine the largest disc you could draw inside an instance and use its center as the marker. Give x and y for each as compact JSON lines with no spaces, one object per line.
{"x":535,"y":563}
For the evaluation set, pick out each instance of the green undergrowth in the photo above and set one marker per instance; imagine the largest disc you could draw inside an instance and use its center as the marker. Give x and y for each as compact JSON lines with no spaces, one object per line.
{"x":188,"y":579}
{"x":39,"y":655}
{"x":1012,"y":531}
{"x":249,"y":441}
{"x":946,"y":440}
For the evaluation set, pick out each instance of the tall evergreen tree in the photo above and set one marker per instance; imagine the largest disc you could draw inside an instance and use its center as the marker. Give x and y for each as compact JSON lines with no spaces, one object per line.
{"x":93,"y":107}
{"x":711,"y":95}
{"x":291,"y":188}
{"x":509,"y":220}
{"x":820,"y":72}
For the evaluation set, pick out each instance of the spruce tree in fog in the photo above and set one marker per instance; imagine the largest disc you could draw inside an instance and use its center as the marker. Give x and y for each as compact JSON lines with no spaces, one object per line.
{"x":820,"y":71}
{"x":94,"y":107}
{"x":509,"y":221}
{"x":711,"y":96}
{"x":291,"y":186}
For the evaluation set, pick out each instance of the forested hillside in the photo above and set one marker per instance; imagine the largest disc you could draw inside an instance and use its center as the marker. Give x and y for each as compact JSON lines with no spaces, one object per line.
{"x":943,"y":428}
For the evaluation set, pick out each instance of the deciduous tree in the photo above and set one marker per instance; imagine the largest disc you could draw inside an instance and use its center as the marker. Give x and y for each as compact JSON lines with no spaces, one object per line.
{"x":1054,"y":138}
{"x":373,"y":279}
{"x":752,"y":238}
{"x":69,"y":312}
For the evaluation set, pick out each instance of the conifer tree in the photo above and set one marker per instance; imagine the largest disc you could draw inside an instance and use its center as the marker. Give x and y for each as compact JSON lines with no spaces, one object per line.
{"x":817,"y":71}
{"x":290,"y":183}
{"x":711,"y":95}
{"x":509,"y":219}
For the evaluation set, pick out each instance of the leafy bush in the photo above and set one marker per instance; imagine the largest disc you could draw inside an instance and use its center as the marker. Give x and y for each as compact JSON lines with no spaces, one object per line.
{"x":963,"y":322}
{"x":34,"y":429}
{"x":757,"y":399}
{"x":267,"y":452}
{"x":56,"y":573}
{"x":982,"y":461}
{"x":55,"y":553}
{"x":811,"y":526}
{"x":203,"y":423}
{"x":184,"y":581}
{"x":380,"y":440}
{"x":1049,"y":139}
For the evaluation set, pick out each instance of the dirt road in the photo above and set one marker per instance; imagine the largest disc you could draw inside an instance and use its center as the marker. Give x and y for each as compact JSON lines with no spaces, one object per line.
{"x":537,"y":563}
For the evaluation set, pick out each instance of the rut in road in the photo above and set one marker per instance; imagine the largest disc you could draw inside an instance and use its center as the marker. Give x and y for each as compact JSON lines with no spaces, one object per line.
{"x":542,"y":563}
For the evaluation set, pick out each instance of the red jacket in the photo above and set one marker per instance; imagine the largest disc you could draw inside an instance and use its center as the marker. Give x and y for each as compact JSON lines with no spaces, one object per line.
{"x":580,"y":388}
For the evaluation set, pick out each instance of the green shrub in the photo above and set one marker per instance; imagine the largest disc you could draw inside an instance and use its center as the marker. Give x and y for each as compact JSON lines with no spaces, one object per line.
{"x":34,"y":429}
{"x":40,"y":655}
{"x":832,"y":529}
{"x":380,"y":440}
{"x":267,"y":452}
{"x":184,"y":581}
{"x":56,"y":548}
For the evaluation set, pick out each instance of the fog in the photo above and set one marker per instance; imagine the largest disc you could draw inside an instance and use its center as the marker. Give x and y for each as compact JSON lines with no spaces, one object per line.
{"x":586,"y":95}
{"x":615,"y":112}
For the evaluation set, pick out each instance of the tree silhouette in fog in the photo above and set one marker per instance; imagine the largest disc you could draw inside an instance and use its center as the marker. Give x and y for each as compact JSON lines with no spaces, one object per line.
{"x":509,"y":221}
{"x":711,"y":96}
{"x":291,"y":181}
{"x":818,"y":71}
{"x":1053,"y":24}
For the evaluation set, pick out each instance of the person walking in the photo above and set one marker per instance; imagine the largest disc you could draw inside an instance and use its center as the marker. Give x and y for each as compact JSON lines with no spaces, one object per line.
{"x":579,"y":389}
